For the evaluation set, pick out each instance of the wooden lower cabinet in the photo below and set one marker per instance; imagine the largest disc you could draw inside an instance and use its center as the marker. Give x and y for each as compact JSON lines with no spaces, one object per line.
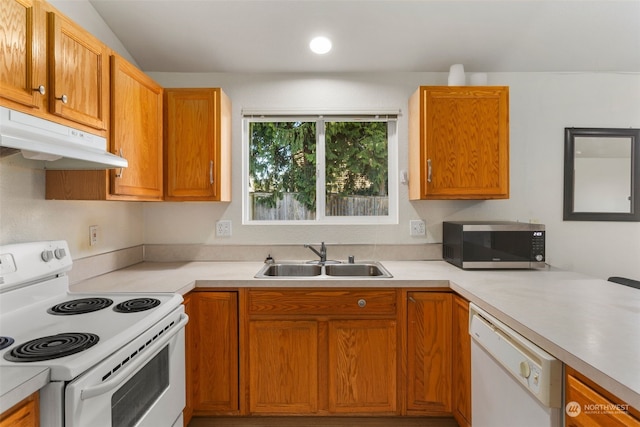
{"x":429,"y":352}
{"x":212,"y":353}
{"x":589,"y":405}
{"x":283,"y":366}
{"x":23,"y":414}
{"x":461,"y":362}
{"x":362,"y":366}
{"x":338,"y":358}
{"x":319,"y":351}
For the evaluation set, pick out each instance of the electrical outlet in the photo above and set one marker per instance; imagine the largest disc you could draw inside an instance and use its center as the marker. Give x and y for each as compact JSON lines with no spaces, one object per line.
{"x":417,"y":227}
{"x":93,"y":235}
{"x":223,"y":228}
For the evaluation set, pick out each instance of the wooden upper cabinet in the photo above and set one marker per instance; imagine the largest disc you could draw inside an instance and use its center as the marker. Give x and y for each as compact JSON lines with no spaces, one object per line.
{"x":44,"y":56}
{"x":429,"y":352}
{"x":22,"y":54}
{"x":135,"y":132}
{"x":79,"y":80}
{"x":459,"y":142}
{"x":197,"y":163}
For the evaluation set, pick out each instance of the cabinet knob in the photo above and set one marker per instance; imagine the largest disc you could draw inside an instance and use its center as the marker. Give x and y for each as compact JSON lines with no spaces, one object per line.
{"x":362,"y":302}
{"x":40,"y":89}
{"x":64,"y":99}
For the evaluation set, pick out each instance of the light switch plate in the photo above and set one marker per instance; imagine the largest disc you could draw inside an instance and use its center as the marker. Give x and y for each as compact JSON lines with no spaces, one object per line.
{"x":93,"y":235}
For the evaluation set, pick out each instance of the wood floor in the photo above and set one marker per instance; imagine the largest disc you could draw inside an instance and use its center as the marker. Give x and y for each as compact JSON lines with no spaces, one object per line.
{"x":322,"y":422}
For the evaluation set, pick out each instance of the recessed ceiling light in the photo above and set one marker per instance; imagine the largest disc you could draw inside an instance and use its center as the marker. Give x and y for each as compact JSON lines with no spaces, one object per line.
{"x":320,"y":45}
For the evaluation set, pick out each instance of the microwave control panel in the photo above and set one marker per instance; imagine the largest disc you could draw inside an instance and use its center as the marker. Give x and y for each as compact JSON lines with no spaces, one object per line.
{"x":537,"y":246}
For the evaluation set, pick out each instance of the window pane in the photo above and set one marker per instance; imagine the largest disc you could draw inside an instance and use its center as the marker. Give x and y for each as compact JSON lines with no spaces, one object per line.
{"x":282,"y":170}
{"x":357,"y":178}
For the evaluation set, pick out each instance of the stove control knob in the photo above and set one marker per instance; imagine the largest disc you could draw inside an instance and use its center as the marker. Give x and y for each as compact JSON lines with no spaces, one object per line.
{"x":60,"y":253}
{"x":525,"y":369}
{"x":46,"y":255}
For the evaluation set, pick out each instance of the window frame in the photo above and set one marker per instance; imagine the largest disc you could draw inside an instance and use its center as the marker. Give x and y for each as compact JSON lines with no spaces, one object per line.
{"x":321,"y":218}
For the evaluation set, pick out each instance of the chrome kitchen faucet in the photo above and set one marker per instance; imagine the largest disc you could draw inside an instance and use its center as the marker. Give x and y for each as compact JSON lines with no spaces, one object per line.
{"x":322,"y":253}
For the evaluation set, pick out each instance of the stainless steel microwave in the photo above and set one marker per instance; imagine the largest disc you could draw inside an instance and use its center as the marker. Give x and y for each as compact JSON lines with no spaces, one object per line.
{"x":493,"y":244}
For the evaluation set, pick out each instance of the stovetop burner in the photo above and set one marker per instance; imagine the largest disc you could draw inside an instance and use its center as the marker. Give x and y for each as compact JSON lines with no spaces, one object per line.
{"x":52,"y":347}
{"x":137,"y":304}
{"x":80,"y":306}
{"x":5,"y":342}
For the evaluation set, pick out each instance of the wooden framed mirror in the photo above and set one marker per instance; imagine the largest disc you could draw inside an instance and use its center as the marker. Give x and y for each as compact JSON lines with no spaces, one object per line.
{"x":601,"y":174}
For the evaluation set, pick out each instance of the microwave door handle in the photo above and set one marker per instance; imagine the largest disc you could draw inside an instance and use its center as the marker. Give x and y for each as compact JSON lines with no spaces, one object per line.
{"x":123,"y":373}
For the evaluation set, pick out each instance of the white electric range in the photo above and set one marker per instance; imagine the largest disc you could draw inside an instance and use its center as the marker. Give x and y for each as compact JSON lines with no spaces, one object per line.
{"x":115,"y":359}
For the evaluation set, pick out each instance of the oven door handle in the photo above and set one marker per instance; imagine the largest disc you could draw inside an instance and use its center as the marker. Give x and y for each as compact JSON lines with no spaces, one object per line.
{"x":115,"y":381}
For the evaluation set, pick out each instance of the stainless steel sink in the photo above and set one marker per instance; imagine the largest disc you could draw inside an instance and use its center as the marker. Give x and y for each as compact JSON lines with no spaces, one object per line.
{"x":369,"y":269}
{"x":300,"y":269}
{"x":290,"y":270}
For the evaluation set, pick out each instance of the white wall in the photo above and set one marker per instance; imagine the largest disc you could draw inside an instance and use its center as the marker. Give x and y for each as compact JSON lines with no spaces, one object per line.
{"x":26,"y":216}
{"x":541,"y":106}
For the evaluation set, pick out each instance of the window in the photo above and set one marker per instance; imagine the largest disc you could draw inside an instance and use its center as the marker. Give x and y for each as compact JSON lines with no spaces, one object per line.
{"x":324,"y":169}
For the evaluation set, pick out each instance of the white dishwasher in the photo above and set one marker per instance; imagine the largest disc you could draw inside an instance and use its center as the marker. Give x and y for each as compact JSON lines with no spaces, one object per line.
{"x":513,"y":381}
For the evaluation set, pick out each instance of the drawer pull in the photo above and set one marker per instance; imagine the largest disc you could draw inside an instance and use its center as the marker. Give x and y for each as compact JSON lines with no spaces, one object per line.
{"x":362,"y":302}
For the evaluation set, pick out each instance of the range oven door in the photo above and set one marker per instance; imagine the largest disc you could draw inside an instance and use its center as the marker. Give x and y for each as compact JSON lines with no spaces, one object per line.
{"x":142,"y":384}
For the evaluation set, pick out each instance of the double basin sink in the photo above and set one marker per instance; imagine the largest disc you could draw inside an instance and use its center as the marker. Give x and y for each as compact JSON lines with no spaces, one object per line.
{"x":302,"y":269}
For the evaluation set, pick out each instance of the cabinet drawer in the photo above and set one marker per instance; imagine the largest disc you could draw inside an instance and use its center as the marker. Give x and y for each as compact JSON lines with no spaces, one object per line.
{"x":322,"y":302}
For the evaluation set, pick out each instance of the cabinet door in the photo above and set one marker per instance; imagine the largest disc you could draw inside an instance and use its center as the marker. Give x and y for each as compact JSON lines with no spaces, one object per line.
{"x":189,"y":356}
{"x":22,"y":52}
{"x":283,"y":366}
{"x":78,"y":70}
{"x":461,"y":365}
{"x":214,"y":353}
{"x":136,"y":131}
{"x":589,"y":405}
{"x":197,"y":145}
{"x":459,"y":143}
{"x":23,"y":414}
{"x":429,"y":352}
{"x":362,"y":366}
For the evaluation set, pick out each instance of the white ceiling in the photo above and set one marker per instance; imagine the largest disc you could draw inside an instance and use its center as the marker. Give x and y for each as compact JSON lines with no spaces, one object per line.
{"x":377,"y":35}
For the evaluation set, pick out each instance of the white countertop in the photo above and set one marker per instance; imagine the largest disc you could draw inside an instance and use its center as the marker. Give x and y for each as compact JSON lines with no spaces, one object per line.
{"x":590,"y":324}
{"x":20,"y":382}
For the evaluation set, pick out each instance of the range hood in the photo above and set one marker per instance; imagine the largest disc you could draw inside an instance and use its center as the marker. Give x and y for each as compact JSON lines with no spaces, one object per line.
{"x":61,"y":147}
